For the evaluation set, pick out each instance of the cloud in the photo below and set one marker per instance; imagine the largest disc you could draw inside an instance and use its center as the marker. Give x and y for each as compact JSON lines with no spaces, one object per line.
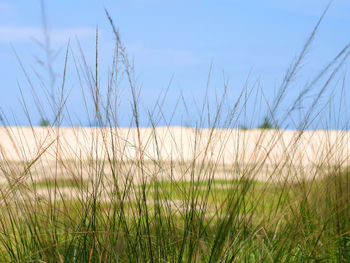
{"x":5,"y":6}
{"x":162,"y":56}
{"x":25,"y":34}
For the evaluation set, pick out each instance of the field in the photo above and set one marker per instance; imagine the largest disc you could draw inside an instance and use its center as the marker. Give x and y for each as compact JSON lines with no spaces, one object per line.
{"x":257,"y":196}
{"x":214,"y":191}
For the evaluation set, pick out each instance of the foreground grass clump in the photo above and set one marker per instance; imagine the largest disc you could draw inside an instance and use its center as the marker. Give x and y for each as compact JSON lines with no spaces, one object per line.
{"x":228,"y":221}
{"x":211,"y":193}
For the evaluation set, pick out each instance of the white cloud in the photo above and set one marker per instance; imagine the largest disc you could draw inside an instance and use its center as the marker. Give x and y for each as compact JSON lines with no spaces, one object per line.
{"x":25,"y":34}
{"x":5,"y":6}
{"x":162,"y":56}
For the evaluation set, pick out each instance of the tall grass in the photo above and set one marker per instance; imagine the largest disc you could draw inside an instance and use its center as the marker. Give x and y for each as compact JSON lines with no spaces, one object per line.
{"x":125,"y":195}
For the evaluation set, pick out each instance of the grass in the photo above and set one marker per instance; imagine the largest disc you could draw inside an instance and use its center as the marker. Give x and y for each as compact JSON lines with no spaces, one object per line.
{"x":251,"y":221}
{"x":60,"y":183}
{"x":108,"y":207}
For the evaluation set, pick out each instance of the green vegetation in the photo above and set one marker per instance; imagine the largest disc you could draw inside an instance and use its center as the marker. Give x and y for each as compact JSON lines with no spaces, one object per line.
{"x":205,"y":221}
{"x":61,"y":182}
{"x":44,"y":123}
{"x":267,"y":124}
{"x":103,"y":214}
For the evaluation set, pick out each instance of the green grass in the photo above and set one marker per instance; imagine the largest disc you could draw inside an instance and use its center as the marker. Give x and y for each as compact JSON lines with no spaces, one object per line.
{"x":61,"y":182}
{"x":194,"y":218}
{"x":245,"y":223}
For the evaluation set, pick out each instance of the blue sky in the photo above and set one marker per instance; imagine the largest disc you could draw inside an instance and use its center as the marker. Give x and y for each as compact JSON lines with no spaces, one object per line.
{"x":173,"y":39}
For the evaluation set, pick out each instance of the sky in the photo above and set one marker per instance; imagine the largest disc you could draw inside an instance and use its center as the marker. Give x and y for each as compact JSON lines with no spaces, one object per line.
{"x":180,"y":42}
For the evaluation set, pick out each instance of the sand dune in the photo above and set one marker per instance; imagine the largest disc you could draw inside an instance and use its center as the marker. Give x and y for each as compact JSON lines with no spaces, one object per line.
{"x":269,"y":148}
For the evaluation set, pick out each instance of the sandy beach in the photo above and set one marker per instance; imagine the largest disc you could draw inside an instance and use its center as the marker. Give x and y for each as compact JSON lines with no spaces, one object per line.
{"x":265,"y":150}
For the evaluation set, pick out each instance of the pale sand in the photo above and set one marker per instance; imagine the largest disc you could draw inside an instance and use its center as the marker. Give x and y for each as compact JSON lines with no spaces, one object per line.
{"x":267,"y":151}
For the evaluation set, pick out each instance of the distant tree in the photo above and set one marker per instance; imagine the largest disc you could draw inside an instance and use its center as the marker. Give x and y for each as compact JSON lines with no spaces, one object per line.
{"x":44,"y":122}
{"x":267,"y":124}
{"x":95,"y":124}
{"x":243,"y":127}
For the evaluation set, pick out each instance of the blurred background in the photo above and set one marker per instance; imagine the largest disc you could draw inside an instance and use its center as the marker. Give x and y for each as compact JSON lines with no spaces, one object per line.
{"x":178,"y":43}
